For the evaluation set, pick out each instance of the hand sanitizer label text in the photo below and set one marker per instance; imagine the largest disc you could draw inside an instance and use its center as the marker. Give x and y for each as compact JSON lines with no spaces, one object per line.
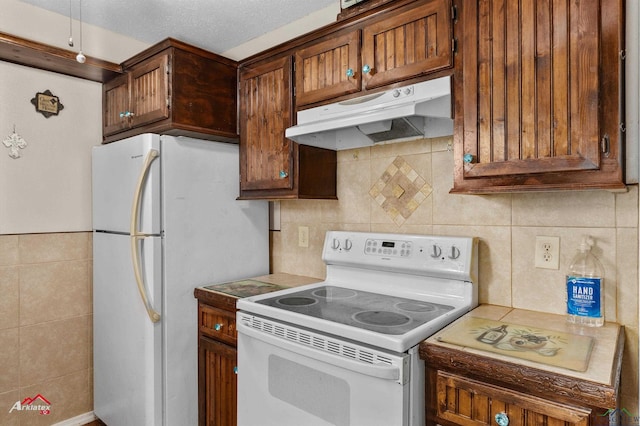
{"x":583,"y":296}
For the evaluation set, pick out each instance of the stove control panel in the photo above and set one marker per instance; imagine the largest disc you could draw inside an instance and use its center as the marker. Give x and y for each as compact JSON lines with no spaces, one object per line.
{"x":388,"y":247}
{"x":431,"y":255}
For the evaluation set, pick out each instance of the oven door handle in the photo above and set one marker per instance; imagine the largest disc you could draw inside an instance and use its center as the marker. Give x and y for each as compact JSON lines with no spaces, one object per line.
{"x":375,"y":370}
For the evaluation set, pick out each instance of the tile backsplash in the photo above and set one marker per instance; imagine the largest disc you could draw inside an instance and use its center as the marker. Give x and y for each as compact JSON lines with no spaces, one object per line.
{"x":506,"y":224}
{"x":45,"y":325}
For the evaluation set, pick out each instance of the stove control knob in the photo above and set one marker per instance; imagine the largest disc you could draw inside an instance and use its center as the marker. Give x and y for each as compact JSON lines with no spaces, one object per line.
{"x":335,"y":244}
{"x":348,"y":244}
{"x":455,"y":253}
{"x":437,"y":252}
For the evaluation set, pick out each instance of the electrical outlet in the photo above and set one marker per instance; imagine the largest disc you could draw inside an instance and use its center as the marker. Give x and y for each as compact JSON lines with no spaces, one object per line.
{"x":303,"y":236}
{"x":547,"y":252}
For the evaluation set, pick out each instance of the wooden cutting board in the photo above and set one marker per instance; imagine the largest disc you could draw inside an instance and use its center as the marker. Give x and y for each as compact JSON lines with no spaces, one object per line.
{"x":549,"y":347}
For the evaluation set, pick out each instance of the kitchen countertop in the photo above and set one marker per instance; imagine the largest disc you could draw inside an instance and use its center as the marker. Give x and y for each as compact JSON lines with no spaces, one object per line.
{"x":603,"y":366}
{"x":225,"y":295}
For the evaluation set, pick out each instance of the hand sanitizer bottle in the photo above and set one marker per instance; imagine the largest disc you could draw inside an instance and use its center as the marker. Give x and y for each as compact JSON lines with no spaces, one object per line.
{"x":585,"y":288}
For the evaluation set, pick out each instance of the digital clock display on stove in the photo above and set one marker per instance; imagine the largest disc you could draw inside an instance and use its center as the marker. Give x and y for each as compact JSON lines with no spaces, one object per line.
{"x":389,"y":244}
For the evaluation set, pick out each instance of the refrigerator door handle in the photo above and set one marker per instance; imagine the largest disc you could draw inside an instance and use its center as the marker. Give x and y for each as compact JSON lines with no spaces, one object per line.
{"x":154,"y":316}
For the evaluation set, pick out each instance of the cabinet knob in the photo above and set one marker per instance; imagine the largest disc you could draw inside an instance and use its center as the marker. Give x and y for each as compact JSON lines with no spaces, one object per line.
{"x":283,"y":174}
{"x":126,"y":114}
{"x":502,"y":419}
{"x":217,"y":327}
{"x":366,"y":69}
{"x":468,"y":158}
{"x":235,"y":370}
{"x":350,"y":72}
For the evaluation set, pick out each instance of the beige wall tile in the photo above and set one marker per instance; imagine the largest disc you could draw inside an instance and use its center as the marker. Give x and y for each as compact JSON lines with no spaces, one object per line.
{"x":354,"y":202}
{"x":421,"y":163}
{"x":494,"y":251}
{"x":52,"y":291}
{"x":9,"y":361}
{"x":627,"y":208}
{"x":392,"y":150}
{"x":53,"y":349}
{"x":10,"y":297}
{"x":9,"y":253}
{"x":455,"y":209}
{"x":544,"y":289}
{"x":69,"y":395}
{"x":7,"y":399}
{"x":627,"y":276}
{"x":37,"y":248}
{"x":567,"y":208}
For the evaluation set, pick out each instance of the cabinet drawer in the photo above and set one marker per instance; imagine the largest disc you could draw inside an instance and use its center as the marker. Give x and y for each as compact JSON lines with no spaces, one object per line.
{"x":468,"y":402}
{"x":217,"y":324}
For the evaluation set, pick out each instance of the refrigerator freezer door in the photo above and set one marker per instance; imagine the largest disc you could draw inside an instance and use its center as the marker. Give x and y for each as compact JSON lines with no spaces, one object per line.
{"x":127,"y":348}
{"x":209,"y":237}
{"x":116,"y":169}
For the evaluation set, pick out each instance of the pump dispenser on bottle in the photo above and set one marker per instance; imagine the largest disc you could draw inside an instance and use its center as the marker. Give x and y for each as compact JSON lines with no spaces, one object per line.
{"x":585,"y":287}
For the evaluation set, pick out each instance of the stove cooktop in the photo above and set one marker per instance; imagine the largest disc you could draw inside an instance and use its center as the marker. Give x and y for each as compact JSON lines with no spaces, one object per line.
{"x":380,"y":313}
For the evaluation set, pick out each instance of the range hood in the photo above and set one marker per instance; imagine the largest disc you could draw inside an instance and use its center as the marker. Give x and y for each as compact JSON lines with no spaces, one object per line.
{"x":411,"y":112}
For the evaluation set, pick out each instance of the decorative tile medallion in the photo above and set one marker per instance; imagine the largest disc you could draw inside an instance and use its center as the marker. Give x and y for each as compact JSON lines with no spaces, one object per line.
{"x":400,"y":190}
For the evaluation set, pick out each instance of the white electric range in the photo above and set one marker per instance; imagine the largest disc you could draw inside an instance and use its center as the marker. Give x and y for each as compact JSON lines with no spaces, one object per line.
{"x":345,"y":351}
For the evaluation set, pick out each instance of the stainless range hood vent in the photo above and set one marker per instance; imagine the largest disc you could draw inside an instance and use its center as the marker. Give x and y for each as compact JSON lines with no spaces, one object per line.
{"x":406,"y":113}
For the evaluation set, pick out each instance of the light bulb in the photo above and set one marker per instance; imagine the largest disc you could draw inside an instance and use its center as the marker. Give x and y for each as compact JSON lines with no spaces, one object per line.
{"x":80,"y":57}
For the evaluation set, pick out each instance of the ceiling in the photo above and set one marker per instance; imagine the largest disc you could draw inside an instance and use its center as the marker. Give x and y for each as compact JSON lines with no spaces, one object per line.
{"x":215,"y":25}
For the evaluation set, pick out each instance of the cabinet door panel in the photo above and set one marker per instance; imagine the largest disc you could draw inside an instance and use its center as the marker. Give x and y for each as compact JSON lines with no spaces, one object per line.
{"x":409,"y":44}
{"x":265,"y":99}
{"x":115,"y":101}
{"x":469,"y":402}
{"x":321,"y":69}
{"x":218,"y":383}
{"x":532,"y":71}
{"x":150,"y":91}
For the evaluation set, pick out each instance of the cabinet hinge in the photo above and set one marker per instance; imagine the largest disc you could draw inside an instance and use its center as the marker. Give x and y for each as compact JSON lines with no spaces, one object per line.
{"x":454,"y":13}
{"x":167,"y":69}
{"x":623,"y":127}
{"x":623,"y":54}
{"x":454,"y":45}
{"x":168,"y":101}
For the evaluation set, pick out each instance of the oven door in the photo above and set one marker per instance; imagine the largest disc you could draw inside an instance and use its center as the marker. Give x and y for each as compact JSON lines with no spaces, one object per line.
{"x":289,"y":376}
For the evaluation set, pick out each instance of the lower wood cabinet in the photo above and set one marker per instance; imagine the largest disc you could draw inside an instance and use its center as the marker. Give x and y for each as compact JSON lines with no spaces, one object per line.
{"x":218,"y":383}
{"x":217,"y":361}
{"x":465,"y":401}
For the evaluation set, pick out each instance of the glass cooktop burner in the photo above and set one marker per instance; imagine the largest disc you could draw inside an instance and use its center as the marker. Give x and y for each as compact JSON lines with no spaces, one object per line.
{"x":371,"y":311}
{"x":381,"y":318}
{"x":296,"y":301}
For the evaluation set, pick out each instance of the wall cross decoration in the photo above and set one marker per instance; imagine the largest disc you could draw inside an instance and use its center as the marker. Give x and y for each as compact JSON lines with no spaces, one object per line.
{"x":15,"y":143}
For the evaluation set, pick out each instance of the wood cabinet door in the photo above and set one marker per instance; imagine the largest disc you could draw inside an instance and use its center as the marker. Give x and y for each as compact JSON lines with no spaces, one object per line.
{"x":266,"y":156}
{"x":529,"y":96}
{"x":115,"y":104}
{"x":218,"y":383}
{"x":150,"y":91}
{"x":408,"y":44}
{"x":328,"y":69}
{"x":470,"y":403}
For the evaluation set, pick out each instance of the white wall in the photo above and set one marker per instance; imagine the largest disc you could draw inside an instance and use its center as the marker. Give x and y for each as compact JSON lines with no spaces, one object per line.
{"x":47,"y":189}
{"x":33,"y":23}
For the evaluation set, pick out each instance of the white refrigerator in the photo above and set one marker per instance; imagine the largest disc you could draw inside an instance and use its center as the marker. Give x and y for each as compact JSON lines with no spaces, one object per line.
{"x":165,"y":220}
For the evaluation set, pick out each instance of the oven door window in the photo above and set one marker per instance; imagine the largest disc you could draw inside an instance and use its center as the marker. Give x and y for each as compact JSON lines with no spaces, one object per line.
{"x":282,"y":383}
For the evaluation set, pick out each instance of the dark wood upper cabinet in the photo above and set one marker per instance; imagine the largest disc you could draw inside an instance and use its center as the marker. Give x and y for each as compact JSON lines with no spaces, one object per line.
{"x":413,"y":41}
{"x":176,"y":89}
{"x":272,"y":166}
{"x":328,"y":69}
{"x":537,"y":96}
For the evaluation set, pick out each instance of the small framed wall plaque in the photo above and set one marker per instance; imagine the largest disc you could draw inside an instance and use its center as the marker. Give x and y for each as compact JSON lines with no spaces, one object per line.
{"x":47,"y":104}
